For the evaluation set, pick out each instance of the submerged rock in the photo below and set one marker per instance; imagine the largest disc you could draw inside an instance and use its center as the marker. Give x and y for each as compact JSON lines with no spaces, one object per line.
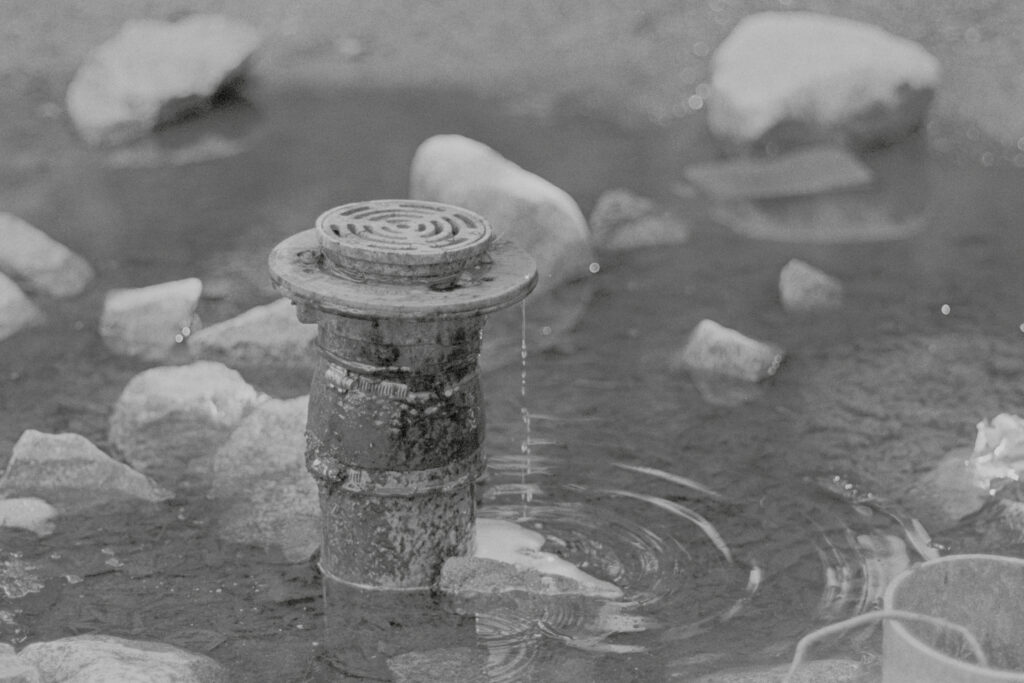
{"x":38,"y":262}
{"x":153,"y":72}
{"x":68,"y":471}
{"x":261,"y":472}
{"x":150,"y":322}
{"x":622,"y":220}
{"x":30,"y":514}
{"x":804,"y":288}
{"x":168,"y":416}
{"x":101,"y":659}
{"x":817,"y":671}
{"x":804,"y":75}
{"x":713,"y":348}
{"x":264,"y":335}
{"x":17,"y":311}
{"x":450,"y":664}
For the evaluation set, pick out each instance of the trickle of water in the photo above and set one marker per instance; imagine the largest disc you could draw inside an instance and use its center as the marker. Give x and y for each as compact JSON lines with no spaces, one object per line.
{"x":527,"y":492}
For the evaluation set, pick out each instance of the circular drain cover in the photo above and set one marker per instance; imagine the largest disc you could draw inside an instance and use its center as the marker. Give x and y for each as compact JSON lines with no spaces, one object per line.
{"x":400,"y":240}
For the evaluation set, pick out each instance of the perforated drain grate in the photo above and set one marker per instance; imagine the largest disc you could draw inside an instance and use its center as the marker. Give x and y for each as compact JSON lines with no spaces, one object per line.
{"x":394,"y":240}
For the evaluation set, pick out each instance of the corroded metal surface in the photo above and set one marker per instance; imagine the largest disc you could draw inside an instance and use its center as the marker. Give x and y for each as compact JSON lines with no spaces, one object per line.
{"x":398,"y":290}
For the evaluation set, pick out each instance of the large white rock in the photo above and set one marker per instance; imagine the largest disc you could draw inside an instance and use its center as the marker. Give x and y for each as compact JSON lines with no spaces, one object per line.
{"x":104,"y":659}
{"x":717,"y":349}
{"x":152,"y":72}
{"x":168,"y":416}
{"x":804,"y":288}
{"x":261,"y":473}
{"x":521,"y":206}
{"x":16,"y":310}
{"x":822,"y":74}
{"x":150,"y":322}
{"x":72,"y":474}
{"x":38,"y":262}
{"x":264,"y":335}
{"x":14,"y":670}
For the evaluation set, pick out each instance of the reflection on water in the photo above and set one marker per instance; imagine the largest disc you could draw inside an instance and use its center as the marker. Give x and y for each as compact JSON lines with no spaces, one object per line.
{"x":710,"y":516}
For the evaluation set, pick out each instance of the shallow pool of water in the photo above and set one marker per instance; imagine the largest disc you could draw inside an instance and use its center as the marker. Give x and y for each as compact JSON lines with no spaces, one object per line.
{"x":928,"y":342}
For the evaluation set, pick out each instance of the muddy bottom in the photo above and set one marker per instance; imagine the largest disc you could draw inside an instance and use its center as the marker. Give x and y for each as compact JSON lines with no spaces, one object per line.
{"x":927,"y":343}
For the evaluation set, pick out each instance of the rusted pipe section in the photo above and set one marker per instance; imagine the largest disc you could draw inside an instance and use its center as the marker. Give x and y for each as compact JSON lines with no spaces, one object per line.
{"x":399,"y":290}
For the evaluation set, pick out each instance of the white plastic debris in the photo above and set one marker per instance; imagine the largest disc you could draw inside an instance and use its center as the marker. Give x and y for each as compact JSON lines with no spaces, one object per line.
{"x":998,"y":450}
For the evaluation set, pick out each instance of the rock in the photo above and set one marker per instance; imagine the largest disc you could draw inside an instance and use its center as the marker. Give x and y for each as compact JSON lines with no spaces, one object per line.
{"x":508,"y":557}
{"x":264,"y":335}
{"x":149,"y":322}
{"x":528,"y":210}
{"x":450,"y":664}
{"x":69,"y":472}
{"x":521,"y":206}
{"x":817,"y":671}
{"x":153,"y":72}
{"x":13,"y":670}
{"x":804,"y":288}
{"x":101,"y":659}
{"x":809,"y":76}
{"x":17,"y":311}
{"x":30,"y":514}
{"x":167,"y":416}
{"x":717,"y":349}
{"x":18,"y":578}
{"x":38,"y":262}
{"x":261,"y":472}
{"x":622,"y":220}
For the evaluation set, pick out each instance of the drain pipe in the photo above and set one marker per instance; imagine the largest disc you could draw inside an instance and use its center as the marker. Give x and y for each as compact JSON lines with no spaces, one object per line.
{"x":399,"y":290}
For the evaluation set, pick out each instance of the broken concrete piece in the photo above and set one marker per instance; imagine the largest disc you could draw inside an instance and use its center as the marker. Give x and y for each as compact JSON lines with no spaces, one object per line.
{"x":264,"y":335}
{"x":30,"y":514}
{"x":17,"y":311}
{"x":804,"y":288}
{"x":38,"y":262}
{"x":810,"y":170}
{"x":93,"y":658}
{"x":149,"y":322}
{"x":718,"y":349}
{"x":261,"y":472}
{"x":153,"y":72}
{"x":521,"y":206}
{"x":167,"y":416}
{"x":622,"y":220}
{"x":804,"y":75}
{"x":69,"y":472}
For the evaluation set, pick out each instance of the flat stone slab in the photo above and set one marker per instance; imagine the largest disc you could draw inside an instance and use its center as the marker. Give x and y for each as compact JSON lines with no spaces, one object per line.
{"x":806,"y":75}
{"x":810,"y":170}
{"x":17,"y":312}
{"x":69,"y":472}
{"x":150,"y":322}
{"x":264,"y":335}
{"x":169,"y":416}
{"x":804,"y":288}
{"x":153,"y":72}
{"x":102,"y":659}
{"x":40,"y":263}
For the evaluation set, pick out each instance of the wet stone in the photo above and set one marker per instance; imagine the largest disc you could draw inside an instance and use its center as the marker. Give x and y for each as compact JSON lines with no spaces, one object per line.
{"x":452,"y":665}
{"x":260,"y":473}
{"x":797,"y":76}
{"x":69,"y":472}
{"x":30,"y":514}
{"x":150,"y":322}
{"x":40,"y":263}
{"x":713,"y":348}
{"x":622,"y":220}
{"x":17,"y":311}
{"x":153,"y":72}
{"x":169,"y":416}
{"x":804,"y":288}
{"x":94,"y":658}
{"x":264,"y":335}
